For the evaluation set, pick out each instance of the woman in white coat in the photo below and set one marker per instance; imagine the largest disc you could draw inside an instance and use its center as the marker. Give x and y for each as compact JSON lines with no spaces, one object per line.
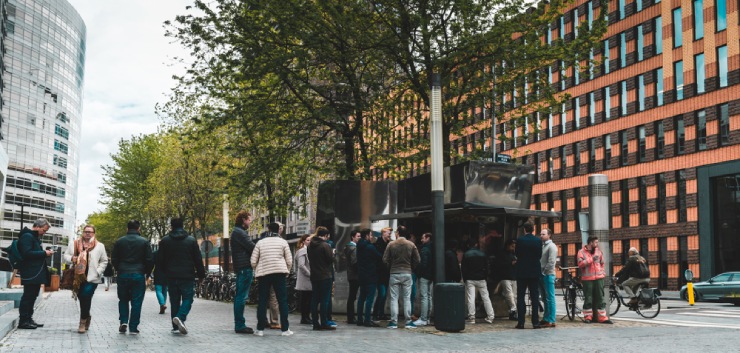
{"x":303,"y":279}
{"x":89,"y":259}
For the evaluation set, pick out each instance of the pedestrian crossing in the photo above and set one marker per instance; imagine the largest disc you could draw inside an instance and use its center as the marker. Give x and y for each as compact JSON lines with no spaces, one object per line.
{"x":693,"y":317}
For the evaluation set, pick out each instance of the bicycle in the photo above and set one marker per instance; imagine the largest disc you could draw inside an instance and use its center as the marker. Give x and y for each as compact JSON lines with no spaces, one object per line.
{"x":572,"y":293}
{"x":648,"y":305}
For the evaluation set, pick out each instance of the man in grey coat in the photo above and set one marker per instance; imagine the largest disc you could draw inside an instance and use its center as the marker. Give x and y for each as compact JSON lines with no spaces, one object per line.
{"x":547,"y":263}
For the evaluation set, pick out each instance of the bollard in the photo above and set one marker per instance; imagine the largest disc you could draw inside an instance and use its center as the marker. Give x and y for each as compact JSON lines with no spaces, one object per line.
{"x":689,"y":275}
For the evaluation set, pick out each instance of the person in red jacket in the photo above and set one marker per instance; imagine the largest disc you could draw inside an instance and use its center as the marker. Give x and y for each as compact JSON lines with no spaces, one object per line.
{"x":591,"y":263}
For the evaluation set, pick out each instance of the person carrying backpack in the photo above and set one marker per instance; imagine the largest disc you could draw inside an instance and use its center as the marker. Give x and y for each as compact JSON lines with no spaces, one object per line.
{"x":634,"y":273}
{"x":33,"y":270}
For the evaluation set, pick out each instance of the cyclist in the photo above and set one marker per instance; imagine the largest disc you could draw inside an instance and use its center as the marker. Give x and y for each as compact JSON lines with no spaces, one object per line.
{"x":634,"y":273}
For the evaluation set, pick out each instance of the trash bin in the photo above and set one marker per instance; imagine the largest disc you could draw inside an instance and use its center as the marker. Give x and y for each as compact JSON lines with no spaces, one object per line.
{"x":449,"y":307}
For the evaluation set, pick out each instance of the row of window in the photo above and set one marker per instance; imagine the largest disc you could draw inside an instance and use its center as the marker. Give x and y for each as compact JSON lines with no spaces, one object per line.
{"x":22,"y":200}
{"x":26,"y":184}
{"x":28,"y":218}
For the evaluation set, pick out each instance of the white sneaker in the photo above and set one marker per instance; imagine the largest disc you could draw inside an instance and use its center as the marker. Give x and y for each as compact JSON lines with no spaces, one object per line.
{"x":471,"y":321}
{"x":286,"y":333}
{"x":180,"y":325}
{"x":489,"y":320}
{"x":259,"y":333}
{"x":421,"y":322}
{"x":175,"y":331}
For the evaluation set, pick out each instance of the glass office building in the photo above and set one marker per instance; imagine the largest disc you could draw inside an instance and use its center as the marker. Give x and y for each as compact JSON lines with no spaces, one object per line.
{"x":44,"y":73}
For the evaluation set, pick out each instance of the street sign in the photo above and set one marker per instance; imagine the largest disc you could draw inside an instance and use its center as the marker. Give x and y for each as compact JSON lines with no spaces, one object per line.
{"x":301,"y":227}
{"x":503,"y":158}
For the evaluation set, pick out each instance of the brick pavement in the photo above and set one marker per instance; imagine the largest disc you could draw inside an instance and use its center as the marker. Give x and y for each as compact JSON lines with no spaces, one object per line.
{"x":211,"y":329}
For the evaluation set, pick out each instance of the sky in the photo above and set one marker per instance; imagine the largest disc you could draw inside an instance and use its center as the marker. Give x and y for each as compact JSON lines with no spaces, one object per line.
{"x":128,"y":69}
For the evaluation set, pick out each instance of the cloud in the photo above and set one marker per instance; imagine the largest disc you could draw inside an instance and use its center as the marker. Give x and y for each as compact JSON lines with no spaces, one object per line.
{"x":128,"y":69}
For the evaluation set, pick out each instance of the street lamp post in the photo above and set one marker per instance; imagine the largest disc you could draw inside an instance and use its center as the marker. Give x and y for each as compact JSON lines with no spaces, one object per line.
{"x":227,"y":255}
{"x":437,"y":177}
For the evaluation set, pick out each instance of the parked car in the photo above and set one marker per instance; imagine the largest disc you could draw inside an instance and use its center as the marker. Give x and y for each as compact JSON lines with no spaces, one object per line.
{"x":722,"y":285}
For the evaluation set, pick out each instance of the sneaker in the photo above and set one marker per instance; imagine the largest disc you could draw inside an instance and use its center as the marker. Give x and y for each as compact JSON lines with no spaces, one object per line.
{"x":259,"y":333}
{"x":410,"y":325}
{"x":471,"y":320}
{"x":513,"y":316}
{"x":175,"y":331}
{"x":331,"y":323}
{"x":287,"y":333}
{"x":489,"y":320}
{"x":421,"y":322}
{"x":162,"y":308}
{"x":180,"y":325}
{"x":392,"y":325}
{"x":133,"y":332}
{"x":122,"y":328}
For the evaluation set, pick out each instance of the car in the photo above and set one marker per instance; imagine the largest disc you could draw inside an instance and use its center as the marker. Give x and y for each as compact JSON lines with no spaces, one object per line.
{"x":717,"y":288}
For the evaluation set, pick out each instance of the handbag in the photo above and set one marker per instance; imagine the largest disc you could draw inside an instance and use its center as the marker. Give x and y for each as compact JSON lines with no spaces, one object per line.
{"x":68,"y":277}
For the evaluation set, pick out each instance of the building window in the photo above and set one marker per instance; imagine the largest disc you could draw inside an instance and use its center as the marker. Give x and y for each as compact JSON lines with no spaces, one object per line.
{"x":621,"y":9}
{"x":550,"y":206}
{"x":564,"y":210}
{"x":678,"y":73}
{"x":60,"y":161}
{"x":577,"y":113}
{"x":563,"y":119}
{"x":659,"y":86}
{"x":550,"y":166}
{"x":591,"y":109}
{"x":661,"y":199}
{"x":659,"y":140}
{"x":639,"y":5}
{"x":562,"y":27}
{"x":591,"y":155}
{"x":698,"y":19}
{"x":622,"y":49}
{"x":640,"y":43}
{"x":642,"y":203}
{"x":724,"y":124}
{"x":61,"y":131}
{"x":641,"y":148}
{"x":625,"y":204}
{"x":606,"y":56}
{"x":563,"y":163}
{"x":722,"y":65}
{"x":658,"y":35}
{"x":700,"y":72}
{"x":680,"y":135}
{"x":677,"y":28}
{"x":607,"y":104}
{"x":590,"y":15}
{"x":576,"y":158}
{"x":575,"y":22}
{"x":641,"y":92}
{"x":701,"y":130}
{"x":721,"y":15}
{"x":624,"y":148}
{"x":549,"y":125}
{"x":681,"y":195}
{"x":61,"y":147}
{"x":623,"y":98}
{"x":607,"y":151}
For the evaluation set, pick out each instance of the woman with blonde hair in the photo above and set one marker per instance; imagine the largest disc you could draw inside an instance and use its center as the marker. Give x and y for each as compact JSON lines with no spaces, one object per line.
{"x":89,"y":259}
{"x":303,"y":278}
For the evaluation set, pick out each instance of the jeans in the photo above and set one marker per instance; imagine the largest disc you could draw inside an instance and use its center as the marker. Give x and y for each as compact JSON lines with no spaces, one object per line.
{"x":131,"y":289}
{"x":276,"y":281}
{"x":521,"y":301}
{"x":382,"y":291}
{"x":425,"y":294}
{"x":181,"y":298}
{"x":85,"y":295}
{"x":354,"y":285}
{"x":161,"y":291}
{"x":25,"y":309}
{"x":413,"y":291}
{"x":402,"y":282}
{"x":243,"y":282}
{"x":365,"y":302}
{"x":480,"y":286}
{"x":548,"y":296}
{"x":320,"y":297}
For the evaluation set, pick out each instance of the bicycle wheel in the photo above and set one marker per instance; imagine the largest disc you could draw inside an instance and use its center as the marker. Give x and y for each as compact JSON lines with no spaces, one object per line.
{"x":615,"y":302}
{"x":649,"y":311}
{"x":578,"y":307}
{"x":570,"y":304}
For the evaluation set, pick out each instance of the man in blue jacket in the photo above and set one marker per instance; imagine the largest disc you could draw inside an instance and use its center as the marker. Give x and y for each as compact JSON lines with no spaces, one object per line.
{"x":132,"y":258}
{"x":33,"y":270}
{"x":528,"y":273}
{"x":367,"y":274}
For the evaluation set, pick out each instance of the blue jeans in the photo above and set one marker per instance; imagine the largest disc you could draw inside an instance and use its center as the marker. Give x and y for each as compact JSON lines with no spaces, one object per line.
{"x":400,"y":282}
{"x":413,"y":291}
{"x":278,"y":283}
{"x":548,"y":296}
{"x":379,"y":309}
{"x":85,"y":295}
{"x":367,"y":295}
{"x":243,"y":282}
{"x":181,"y":297}
{"x":131,"y":289}
{"x":425,"y":291}
{"x":161,"y":294}
{"x":320,"y":297}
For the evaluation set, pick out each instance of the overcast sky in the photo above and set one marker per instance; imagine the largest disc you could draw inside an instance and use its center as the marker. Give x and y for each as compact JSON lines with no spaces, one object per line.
{"x":128,"y":70}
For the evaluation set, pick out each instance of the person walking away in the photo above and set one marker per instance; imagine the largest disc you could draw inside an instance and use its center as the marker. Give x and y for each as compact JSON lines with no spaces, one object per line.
{"x":303,"y":279}
{"x":547,"y":263}
{"x":633,"y":274}
{"x":321,"y":259}
{"x":383,"y":276}
{"x":401,"y":257}
{"x":591,"y":263}
{"x":505,"y":265}
{"x":528,"y":272}
{"x":181,"y":262}
{"x":132,"y":258}
{"x":367,"y":276}
{"x":272,"y":261}
{"x":425,"y":272}
{"x":108,"y":275}
{"x":160,"y":284}
{"x":350,"y":255}
{"x":474,"y":273}
{"x":33,"y":270}
{"x":241,"y":253}
{"x":89,"y":258}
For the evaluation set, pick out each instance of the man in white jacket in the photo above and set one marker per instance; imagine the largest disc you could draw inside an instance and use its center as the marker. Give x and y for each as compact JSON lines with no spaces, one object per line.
{"x":272,"y":261}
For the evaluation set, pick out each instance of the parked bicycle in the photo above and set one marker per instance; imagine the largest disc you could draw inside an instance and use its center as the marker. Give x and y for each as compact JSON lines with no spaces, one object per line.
{"x":572,"y":292}
{"x":648,"y":304}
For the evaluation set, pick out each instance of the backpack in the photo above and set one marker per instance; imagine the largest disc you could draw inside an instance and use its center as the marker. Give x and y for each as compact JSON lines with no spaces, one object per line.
{"x":14,"y":255}
{"x":644,"y":269}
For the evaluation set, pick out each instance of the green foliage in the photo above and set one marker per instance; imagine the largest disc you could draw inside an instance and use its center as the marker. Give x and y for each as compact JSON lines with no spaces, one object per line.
{"x":108,"y":228}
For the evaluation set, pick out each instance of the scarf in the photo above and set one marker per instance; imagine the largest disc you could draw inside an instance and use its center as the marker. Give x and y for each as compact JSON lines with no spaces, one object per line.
{"x":80,"y":266}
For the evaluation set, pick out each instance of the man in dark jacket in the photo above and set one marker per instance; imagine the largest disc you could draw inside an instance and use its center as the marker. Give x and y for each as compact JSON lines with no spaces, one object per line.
{"x":181,"y":262}
{"x":474,"y":273}
{"x":320,"y":258}
{"x":350,"y":256}
{"x":132,"y":258}
{"x":384,"y":276}
{"x":633,"y":274}
{"x":367,"y":275}
{"x":32,"y":269}
{"x":528,"y":273}
{"x":452,"y":264}
{"x":505,"y":274}
{"x":425,"y":271}
{"x":241,"y":253}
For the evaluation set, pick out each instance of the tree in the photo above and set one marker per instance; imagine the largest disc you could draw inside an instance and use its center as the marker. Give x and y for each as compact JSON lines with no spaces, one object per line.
{"x":108,"y":228}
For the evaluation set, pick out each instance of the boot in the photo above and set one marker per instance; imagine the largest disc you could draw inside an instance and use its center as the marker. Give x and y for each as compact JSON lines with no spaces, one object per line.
{"x":87,"y":322}
{"x":82,"y":328}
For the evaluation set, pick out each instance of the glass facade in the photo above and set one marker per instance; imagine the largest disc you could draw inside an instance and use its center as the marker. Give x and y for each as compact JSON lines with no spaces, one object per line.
{"x":44,"y":74}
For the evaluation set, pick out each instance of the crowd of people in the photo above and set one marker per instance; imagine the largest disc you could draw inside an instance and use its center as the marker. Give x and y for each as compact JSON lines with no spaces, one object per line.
{"x":375,"y":266}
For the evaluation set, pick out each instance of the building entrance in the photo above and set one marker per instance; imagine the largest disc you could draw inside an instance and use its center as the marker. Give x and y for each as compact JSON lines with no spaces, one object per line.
{"x":726,"y":218}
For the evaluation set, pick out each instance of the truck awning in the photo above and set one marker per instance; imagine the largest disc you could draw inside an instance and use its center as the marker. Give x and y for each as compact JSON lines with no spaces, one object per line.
{"x":470,"y":209}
